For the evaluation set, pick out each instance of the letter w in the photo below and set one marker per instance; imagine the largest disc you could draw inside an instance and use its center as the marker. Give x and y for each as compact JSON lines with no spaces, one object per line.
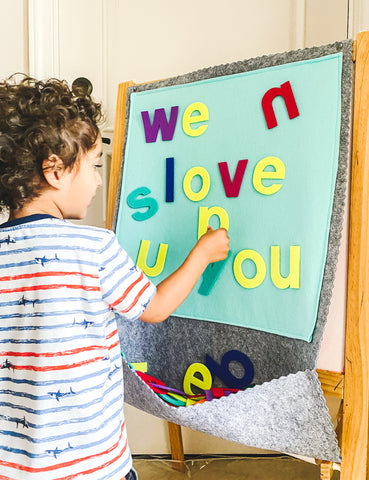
{"x":160,"y":121}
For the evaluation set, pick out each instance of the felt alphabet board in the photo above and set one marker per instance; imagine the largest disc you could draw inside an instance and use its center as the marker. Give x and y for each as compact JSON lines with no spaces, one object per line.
{"x":219,"y":155}
{"x":259,"y":147}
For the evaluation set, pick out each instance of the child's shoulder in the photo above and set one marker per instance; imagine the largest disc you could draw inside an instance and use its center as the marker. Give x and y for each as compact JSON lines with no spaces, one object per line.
{"x":83,"y":232}
{"x":61,"y":230}
{"x":68,"y":224}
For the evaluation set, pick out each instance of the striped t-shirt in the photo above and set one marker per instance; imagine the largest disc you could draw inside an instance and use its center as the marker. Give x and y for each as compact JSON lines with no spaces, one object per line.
{"x":61,"y":384}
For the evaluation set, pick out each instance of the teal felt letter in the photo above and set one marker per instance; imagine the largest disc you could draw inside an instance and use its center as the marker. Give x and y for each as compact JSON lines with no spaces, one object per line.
{"x":149,"y":203}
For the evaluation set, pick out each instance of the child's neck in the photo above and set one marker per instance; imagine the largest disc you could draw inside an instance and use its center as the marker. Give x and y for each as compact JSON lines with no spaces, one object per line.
{"x":35,"y":206}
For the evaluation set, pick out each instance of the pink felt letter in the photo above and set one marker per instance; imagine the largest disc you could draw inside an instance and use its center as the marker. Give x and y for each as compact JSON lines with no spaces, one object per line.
{"x":232,"y":188}
{"x":284,"y":91}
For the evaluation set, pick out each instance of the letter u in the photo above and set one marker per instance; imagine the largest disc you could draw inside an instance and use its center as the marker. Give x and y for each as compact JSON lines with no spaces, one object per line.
{"x":157,"y":268}
{"x":293,"y":278}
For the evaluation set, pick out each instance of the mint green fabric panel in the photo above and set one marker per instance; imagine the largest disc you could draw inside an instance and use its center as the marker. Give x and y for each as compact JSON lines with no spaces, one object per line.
{"x":298,"y":214}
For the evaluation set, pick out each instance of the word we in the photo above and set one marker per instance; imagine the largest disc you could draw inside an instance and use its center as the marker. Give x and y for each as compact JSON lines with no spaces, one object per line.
{"x":167,"y":127}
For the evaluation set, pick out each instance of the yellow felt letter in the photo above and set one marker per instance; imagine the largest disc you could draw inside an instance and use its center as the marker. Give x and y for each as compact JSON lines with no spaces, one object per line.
{"x":204,"y":216}
{"x":188,"y":119}
{"x":259,"y":276}
{"x":293,"y":279}
{"x":260,"y":174}
{"x":155,"y":270}
{"x":204,"y":190}
{"x":189,"y":379}
{"x":140,"y":366}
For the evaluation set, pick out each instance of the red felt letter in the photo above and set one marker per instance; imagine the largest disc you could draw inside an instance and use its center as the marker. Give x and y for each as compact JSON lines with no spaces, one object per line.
{"x":232,"y":189}
{"x":284,"y":91}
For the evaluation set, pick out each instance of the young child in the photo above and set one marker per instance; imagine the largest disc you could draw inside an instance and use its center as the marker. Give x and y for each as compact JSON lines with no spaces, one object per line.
{"x":61,"y":385}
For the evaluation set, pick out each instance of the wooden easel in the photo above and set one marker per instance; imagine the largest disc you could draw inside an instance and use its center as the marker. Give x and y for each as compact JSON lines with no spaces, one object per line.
{"x":352,"y":386}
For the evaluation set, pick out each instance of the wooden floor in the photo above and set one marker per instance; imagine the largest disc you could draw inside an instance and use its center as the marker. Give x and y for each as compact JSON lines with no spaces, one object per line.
{"x":229,"y":468}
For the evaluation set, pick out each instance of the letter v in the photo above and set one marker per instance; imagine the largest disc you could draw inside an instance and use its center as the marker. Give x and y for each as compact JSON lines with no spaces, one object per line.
{"x":160,"y":121}
{"x":232,"y":188}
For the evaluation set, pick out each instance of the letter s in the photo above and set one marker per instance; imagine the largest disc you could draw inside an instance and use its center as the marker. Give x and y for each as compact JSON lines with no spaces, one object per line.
{"x":150,"y":203}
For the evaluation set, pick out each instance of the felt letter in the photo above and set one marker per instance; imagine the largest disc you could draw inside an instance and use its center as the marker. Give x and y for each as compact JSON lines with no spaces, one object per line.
{"x":169,"y":180}
{"x":285,"y":91}
{"x":160,"y":121}
{"x":259,"y":276}
{"x":204,"y":190}
{"x":189,"y":379}
{"x":204,"y":216}
{"x":260,"y":174}
{"x":232,"y":188}
{"x":156,"y":269}
{"x":188,"y":119}
{"x":293,"y":278}
{"x":211,"y":274}
{"x":150,"y":203}
{"x":140,"y":366}
{"x":223,"y":373}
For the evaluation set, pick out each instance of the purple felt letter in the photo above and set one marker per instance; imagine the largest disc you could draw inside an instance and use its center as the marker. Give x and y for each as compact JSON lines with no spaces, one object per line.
{"x":160,"y":121}
{"x":232,"y":188}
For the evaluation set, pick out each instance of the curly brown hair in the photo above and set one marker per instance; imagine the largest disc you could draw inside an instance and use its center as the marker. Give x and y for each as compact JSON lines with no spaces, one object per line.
{"x":38,"y":119}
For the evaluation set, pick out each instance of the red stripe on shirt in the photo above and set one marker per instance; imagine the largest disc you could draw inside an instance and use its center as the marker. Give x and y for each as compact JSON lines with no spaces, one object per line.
{"x":24,"y":468}
{"x":100,"y":467}
{"x":138,"y":280}
{"x":136,"y":298}
{"x":50,"y":287}
{"x":55,"y":367}
{"x":45,"y":274}
{"x":58,"y":354}
{"x":114,"y":332}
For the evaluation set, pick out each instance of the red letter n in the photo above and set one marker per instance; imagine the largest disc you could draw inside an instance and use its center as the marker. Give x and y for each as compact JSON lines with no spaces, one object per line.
{"x":284,"y":91}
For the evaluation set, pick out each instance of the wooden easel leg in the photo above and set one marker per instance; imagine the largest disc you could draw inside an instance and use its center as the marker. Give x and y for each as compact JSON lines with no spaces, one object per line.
{"x":355,"y":426}
{"x":339,"y":425}
{"x":176,"y":446}
{"x":326,"y":469}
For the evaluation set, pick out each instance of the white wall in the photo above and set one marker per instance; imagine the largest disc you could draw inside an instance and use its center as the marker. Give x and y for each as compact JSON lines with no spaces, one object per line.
{"x":111,"y":41}
{"x":13,"y":37}
{"x":13,"y":41}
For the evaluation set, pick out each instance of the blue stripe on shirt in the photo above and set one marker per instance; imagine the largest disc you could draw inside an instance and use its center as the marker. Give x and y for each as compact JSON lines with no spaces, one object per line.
{"x":60,"y":408}
{"x":80,"y":447}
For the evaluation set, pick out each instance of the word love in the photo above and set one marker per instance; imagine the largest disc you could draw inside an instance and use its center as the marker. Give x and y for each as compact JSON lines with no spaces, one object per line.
{"x":268,"y":168}
{"x":200,"y":375}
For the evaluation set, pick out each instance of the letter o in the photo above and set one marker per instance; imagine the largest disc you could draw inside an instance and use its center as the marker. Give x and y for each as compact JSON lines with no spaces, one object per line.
{"x":259,"y":276}
{"x":204,"y":190}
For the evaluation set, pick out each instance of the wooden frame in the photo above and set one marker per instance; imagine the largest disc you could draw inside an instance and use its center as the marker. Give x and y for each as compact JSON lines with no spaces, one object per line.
{"x":356,"y":389}
{"x":353,"y":386}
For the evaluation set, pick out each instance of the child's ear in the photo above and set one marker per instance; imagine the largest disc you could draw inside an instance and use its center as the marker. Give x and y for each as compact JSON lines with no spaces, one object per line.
{"x":53,"y":169}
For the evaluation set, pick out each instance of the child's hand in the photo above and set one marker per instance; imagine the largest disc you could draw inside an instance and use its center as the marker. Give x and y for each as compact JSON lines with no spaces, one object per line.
{"x":172,"y":291}
{"x":214,"y":244}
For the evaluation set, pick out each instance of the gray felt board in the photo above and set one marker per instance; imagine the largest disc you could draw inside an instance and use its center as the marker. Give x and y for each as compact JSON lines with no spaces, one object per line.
{"x":286,"y":410}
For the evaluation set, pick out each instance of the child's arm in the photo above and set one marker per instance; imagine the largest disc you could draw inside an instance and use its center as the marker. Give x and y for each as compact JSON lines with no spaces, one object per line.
{"x":171,"y":292}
